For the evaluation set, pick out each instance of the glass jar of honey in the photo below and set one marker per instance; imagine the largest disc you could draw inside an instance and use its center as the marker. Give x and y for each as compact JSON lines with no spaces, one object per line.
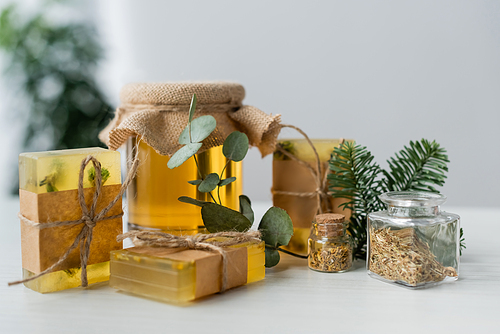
{"x":153,"y":195}
{"x":149,"y":121}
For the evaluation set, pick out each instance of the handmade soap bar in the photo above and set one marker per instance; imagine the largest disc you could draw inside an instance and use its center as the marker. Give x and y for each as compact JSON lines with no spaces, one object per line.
{"x":294,"y":186}
{"x":42,"y":172}
{"x":48,"y":192}
{"x":180,"y":275}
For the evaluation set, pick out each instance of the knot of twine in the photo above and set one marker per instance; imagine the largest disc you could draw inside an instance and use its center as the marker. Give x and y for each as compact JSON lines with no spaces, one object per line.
{"x":197,"y":242}
{"x":321,"y":191}
{"x":88,"y":221}
{"x":89,"y":218}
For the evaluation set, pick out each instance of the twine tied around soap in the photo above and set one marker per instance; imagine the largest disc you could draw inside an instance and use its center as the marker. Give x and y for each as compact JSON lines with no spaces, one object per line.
{"x":321,"y":191}
{"x":89,"y":218}
{"x":197,"y":242}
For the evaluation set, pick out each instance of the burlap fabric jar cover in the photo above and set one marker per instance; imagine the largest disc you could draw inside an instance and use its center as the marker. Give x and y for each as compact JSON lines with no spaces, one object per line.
{"x":151,"y":117}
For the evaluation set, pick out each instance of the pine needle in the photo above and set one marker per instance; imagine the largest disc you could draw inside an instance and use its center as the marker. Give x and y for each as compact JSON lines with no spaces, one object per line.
{"x":421,"y":166}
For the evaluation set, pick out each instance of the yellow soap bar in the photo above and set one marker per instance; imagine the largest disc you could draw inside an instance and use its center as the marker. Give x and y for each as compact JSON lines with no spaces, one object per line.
{"x":67,"y":279}
{"x":303,"y":151}
{"x":48,"y":183}
{"x":42,"y":172}
{"x":168,"y":279}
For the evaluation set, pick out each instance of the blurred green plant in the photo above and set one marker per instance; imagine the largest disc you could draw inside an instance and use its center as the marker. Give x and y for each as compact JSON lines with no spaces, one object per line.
{"x":54,"y":66}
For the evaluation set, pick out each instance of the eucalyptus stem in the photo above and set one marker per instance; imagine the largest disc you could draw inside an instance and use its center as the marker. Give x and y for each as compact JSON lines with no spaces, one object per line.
{"x":291,"y":253}
{"x":223,"y":169}
{"x":197,"y":167}
{"x":189,"y":130}
{"x":221,"y":175}
{"x":201,"y":177}
{"x":213,"y":199}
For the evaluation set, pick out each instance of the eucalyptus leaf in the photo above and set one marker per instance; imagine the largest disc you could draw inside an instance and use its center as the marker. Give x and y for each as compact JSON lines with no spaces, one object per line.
{"x":195,"y":182}
{"x":209,"y":183}
{"x":246,"y":208}
{"x":201,"y":128}
{"x":193,"y":201}
{"x":276,"y":227}
{"x":218,"y":218}
{"x":192,"y":107}
{"x":272,"y":257}
{"x":183,"y":154}
{"x":227,"y":181}
{"x":235,"y":146}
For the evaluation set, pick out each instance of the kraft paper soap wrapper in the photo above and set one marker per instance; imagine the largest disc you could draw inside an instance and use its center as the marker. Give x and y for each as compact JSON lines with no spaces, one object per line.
{"x":208,"y":266}
{"x":41,"y":248}
{"x":290,"y":175}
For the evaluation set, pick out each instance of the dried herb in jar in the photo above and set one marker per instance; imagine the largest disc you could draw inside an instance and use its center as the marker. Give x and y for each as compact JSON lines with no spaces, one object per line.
{"x":400,"y":255}
{"x":331,"y":258}
{"x":330,"y":248}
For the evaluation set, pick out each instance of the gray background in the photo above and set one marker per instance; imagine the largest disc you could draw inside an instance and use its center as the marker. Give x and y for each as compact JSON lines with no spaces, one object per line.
{"x":380,"y":72}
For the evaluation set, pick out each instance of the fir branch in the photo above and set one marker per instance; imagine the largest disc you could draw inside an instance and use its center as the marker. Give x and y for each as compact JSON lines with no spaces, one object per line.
{"x":419,"y":167}
{"x":355,"y":178}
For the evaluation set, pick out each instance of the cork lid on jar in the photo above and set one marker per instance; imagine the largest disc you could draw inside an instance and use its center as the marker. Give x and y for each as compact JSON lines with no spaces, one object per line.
{"x":330,"y":224}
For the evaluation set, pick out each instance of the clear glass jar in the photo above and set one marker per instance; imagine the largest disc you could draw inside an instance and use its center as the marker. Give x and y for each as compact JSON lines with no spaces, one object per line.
{"x":153,"y":194}
{"x":329,"y":246}
{"x":412,"y":243}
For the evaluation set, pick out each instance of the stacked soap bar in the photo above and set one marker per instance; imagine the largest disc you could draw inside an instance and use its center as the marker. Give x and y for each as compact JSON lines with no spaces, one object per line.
{"x":180,"y":275}
{"x":52,"y":171}
{"x":48,"y":183}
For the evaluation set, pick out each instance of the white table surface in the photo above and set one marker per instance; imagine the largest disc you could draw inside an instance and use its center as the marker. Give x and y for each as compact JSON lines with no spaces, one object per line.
{"x":291,"y":299}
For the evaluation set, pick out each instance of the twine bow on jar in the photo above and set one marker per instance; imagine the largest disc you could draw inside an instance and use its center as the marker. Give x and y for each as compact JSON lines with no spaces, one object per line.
{"x":89,"y":218}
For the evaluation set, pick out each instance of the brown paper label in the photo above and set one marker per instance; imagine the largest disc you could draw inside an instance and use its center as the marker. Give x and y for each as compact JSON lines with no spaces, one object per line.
{"x":290,"y":175}
{"x":43,"y":247}
{"x":209,"y":271}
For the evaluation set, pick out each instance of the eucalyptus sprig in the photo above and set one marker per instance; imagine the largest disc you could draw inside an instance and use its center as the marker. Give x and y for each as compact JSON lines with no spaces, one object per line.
{"x":276,"y":226}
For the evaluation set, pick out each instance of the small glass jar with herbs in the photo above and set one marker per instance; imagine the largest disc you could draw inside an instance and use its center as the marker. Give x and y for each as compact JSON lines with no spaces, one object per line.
{"x":329,"y":245}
